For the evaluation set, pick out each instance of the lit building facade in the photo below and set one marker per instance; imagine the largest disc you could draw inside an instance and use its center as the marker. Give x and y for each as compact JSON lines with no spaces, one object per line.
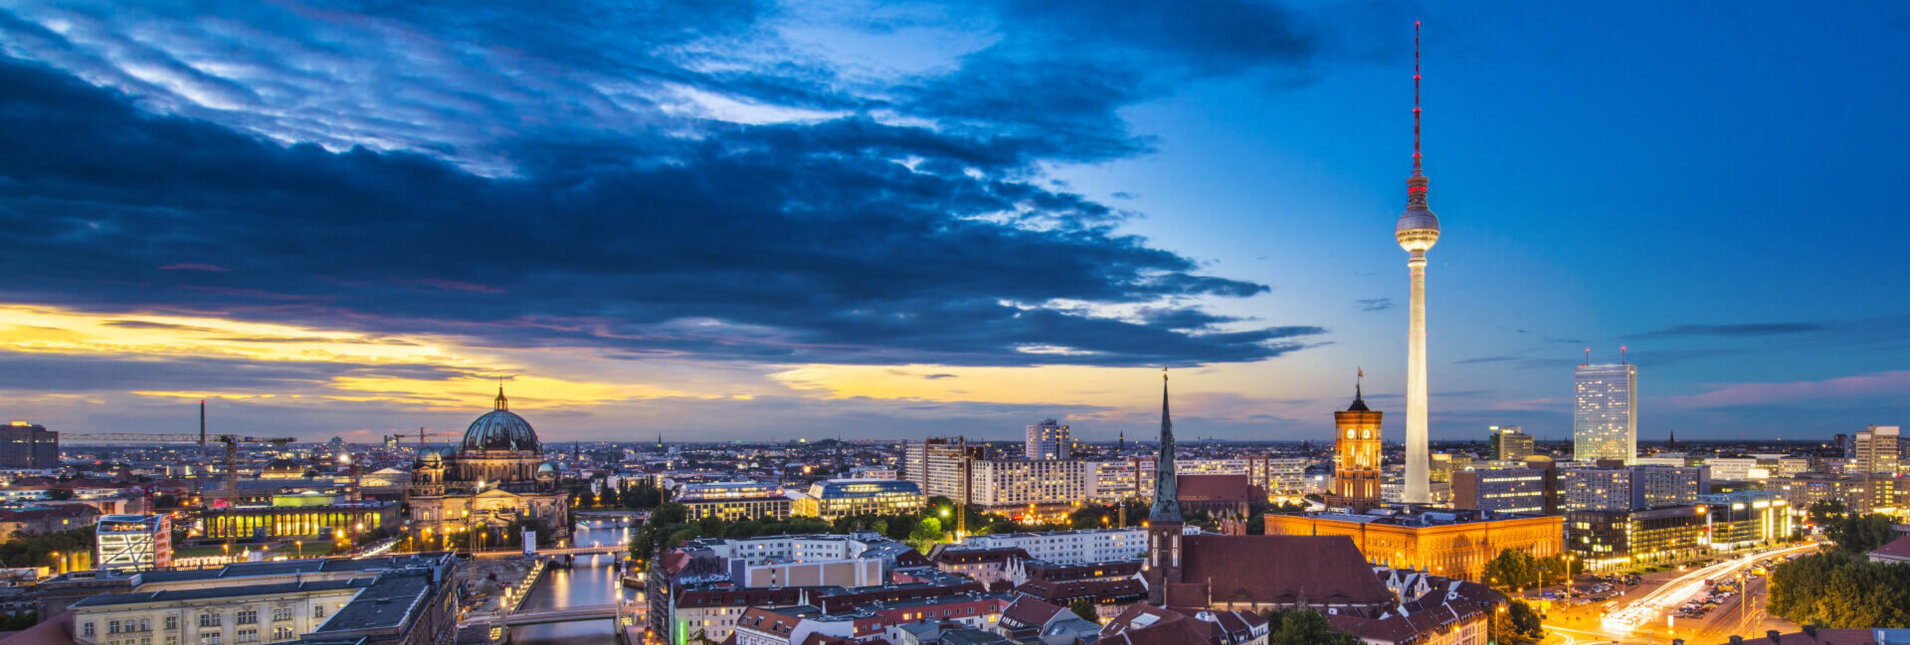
{"x":1070,"y":547}
{"x":1595,"y":489}
{"x":1746,"y":518}
{"x":1356,"y":456}
{"x":940,"y":465}
{"x":1453,"y":544}
{"x":733,"y":501}
{"x":350,"y":518}
{"x":128,"y":543}
{"x":1875,"y":451}
{"x":494,"y":478}
{"x":1048,"y":440}
{"x":1605,"y":412}
{"x":1509,"y":443}
{"x":845,"y":497}
{"x":26,"y":445}
{"x":1502,"y":490}
{"x":1619,"y":539}
{"x":1018,"y":484}
{"x":1275,"y":475}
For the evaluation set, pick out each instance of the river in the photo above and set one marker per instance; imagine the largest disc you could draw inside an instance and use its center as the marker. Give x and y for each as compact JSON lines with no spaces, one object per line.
{"x":591,"y":581}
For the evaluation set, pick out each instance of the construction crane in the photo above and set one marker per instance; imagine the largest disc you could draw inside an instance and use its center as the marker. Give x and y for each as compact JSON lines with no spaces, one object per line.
{"x":422,"y":434}
{"x":231,"y":442}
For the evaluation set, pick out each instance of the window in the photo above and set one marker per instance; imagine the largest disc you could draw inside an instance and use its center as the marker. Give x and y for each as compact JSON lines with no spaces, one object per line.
{"x":209,"y":638}
{"x":246,"y":636}
{"x":209,"y":620}
{"x":172,"y":640}
{"x":86,"y":629}
{"x":172,"y":622}
{"x":145,"y":624}
{"x":281,"y":633}
{"x":112,"y":627}
{"x":318,"y":611}
{"x":246,"y":617}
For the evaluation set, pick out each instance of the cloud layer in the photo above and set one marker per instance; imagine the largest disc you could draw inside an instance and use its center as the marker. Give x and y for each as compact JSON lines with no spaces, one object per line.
{"x":428,"y":186}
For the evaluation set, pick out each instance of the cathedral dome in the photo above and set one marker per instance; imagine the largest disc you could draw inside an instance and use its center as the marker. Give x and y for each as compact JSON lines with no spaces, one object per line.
{"x":500,"y":429}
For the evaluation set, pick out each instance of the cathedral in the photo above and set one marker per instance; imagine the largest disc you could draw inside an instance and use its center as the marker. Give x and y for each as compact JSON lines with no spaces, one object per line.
{"x":495,"y":477}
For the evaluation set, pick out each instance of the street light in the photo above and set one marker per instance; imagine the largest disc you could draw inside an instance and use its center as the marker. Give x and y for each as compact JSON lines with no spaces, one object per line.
{"x":301,"y":548}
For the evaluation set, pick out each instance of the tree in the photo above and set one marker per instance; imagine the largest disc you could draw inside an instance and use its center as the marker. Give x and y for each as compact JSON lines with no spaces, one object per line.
{"x":1825,"y":510}
{"x":1857,"y":534}
{"x":1840,"y":590}
{"x":1515,"y":624}
{"x":1513,"y":571}
{"x":1085,"y":609}
{"x":1306,"y":627}
{"x":927,"y":533}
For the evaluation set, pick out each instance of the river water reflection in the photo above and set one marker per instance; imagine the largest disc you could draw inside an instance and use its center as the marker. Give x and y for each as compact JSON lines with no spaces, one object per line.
{"x":591,"y":581}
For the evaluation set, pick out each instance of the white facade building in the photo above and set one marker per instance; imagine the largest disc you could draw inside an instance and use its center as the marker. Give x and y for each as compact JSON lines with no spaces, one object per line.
{"x":1048,"y":440}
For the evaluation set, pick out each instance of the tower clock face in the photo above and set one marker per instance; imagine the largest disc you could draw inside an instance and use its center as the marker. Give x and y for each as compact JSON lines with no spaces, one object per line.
{"x":1368,"y":434}
{"x":1349,"y":434}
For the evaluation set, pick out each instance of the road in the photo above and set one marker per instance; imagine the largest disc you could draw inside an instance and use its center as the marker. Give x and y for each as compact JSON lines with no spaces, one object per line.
{"x":1642,"y":618}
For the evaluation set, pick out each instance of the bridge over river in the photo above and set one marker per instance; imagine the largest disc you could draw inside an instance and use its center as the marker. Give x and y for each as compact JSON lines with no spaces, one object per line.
{"x":574,"y":606}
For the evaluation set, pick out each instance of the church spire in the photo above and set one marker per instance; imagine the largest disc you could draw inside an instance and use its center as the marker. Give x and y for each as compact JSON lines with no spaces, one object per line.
{"x":1166,"y":489}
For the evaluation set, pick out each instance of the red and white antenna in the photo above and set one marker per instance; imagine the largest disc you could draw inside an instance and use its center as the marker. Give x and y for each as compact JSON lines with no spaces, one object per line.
{"x":1588,"y":356}
{"x":1621,"y":354}
{"x":1416,"y":99}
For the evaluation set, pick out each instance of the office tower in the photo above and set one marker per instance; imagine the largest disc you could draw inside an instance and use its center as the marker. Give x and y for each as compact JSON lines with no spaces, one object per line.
{"x":25,"y":445}
{"x":1595,"y":489}
{"x":1874,"y":451}
{"x":1416,"y":231}
{"x":940,"y":465}
{"x":1356,"y":456}
{"x":1605,"y":413}
{"x":1509,"y":443}
{"x":1048,"y":440}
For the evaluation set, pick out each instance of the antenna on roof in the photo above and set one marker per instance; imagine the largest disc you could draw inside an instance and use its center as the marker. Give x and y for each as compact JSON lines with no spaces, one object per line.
{"x":1588,"y":356}
{"x":1621,"y":354}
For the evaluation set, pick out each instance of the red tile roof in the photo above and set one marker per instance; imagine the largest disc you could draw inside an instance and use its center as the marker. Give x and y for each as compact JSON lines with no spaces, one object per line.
{"x":1279,"y":569}
{"x":1028,"y":612}
{"x":1822,"y":637}
{"x":1143,"y":624}
{"x":1406,"y":623}
{"x":1898,"y":549}
{"x":1214,"y":488}
{"x":1067,"y":591}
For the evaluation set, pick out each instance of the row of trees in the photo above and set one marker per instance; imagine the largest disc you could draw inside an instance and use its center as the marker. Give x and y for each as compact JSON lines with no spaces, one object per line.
{"x":38,"y":550}
{"x":1513,"y":571}
{"x":642,"y":495}
{"x":1838,"y":589}
{"x":670,"y":526}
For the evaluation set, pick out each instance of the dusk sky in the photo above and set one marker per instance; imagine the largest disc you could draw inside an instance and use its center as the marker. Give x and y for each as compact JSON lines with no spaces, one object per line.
{"x":727,"y":219}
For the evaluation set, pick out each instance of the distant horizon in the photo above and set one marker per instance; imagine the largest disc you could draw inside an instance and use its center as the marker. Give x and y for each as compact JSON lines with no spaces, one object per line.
{"x":767,"y":219}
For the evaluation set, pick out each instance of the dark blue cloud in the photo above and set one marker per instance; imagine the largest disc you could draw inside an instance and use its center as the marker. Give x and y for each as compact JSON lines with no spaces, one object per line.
{"x":786,"y":242}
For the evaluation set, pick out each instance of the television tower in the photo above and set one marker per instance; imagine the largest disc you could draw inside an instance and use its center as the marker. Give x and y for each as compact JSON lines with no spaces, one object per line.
{"x":1416,"y":232}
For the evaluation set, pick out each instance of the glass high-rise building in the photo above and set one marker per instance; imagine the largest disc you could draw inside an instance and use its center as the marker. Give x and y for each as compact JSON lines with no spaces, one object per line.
{"x":1605,"y":413}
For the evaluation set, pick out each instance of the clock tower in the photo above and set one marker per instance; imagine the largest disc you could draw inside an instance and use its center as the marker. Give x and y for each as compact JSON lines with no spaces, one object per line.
{"x":1356,"y":455}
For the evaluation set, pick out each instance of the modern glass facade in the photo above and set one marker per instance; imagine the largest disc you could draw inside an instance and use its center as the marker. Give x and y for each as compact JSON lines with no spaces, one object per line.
{"x":1605,"y":413}
{"x":845,"y":497}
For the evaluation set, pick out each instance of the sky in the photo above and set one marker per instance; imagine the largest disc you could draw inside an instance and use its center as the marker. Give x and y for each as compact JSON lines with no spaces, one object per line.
{"x":748,"y":220}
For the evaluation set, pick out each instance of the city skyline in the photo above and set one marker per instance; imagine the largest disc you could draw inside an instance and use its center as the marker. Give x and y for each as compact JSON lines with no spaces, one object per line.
{"x":778,"y":221}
